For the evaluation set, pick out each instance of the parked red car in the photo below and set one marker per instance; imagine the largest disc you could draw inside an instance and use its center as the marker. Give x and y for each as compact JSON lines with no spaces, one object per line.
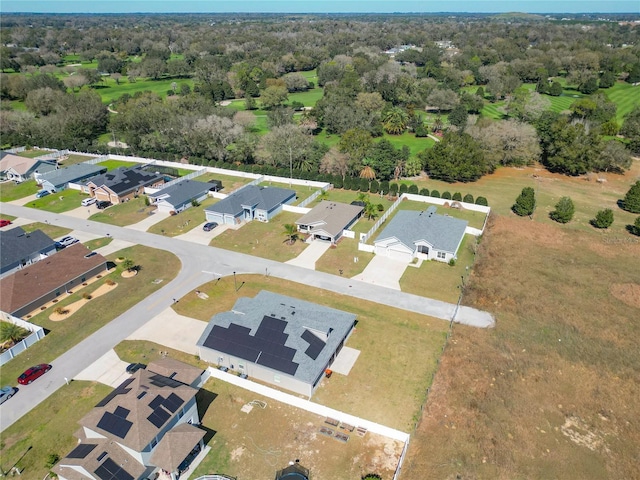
{"x":4,"y":222}
{"x":32,"y":373}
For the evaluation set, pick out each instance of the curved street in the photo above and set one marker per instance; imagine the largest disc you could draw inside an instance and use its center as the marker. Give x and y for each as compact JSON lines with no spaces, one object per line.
{"x":200,"y":264}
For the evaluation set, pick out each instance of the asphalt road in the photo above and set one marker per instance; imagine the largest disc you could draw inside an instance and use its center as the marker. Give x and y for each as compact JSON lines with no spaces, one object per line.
{"x":200,"y":263}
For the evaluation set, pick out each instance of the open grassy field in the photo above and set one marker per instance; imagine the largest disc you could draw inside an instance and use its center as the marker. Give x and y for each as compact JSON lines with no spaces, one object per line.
{"x":302,"y":191}
{"x":341,"y":258}
{"x":64,"y":334}
{"x":53,"y":231}
{"x":124,"y":214}
{"x":625,"y":96}
{"x":184,"y":221}
{"x":10,"y":191}
{"x":110,"y":90}
{"x":113,"y":164}
{"x":59,"y":202}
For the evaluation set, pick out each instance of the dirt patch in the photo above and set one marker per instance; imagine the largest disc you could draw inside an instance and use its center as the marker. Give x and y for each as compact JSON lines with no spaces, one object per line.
{"x":627,"y":293}
{"x":75,"y":306}
{"x":579,"y":433}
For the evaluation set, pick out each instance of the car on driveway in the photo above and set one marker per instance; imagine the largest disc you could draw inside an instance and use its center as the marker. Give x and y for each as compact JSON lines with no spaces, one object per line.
{"x":4,"y":222}
{"x":134,"y":367}
{"x":102,"y":204}
{"x":209,"y":226}
{"x":31,"y":374}
{"x":88,"y":201}
{"x":42,"y":193}
{"x":6,"y":393}
{"x":65,"y":242}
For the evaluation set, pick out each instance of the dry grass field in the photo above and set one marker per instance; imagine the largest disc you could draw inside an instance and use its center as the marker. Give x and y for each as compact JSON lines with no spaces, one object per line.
{"x":553,"y":391}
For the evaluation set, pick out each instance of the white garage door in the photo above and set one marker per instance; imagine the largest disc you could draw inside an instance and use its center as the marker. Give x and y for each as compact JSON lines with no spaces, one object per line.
{"x":399,"y":255}
{"x":215,"y":217}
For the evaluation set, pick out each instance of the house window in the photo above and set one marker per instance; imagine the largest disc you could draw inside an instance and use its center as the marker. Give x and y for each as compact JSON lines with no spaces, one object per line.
{"x":442,"y":255}
{"x":181,"y":413}
{"x":154,"y":442}
{"x":423,"y":249}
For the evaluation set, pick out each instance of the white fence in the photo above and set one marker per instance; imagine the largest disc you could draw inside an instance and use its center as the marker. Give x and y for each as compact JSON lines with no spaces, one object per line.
{"x":37,"y":333}
{"x":442,"y":201}
{"x":365,"y":236}
{"x":53,"y":156}
{"x":295,"y":209}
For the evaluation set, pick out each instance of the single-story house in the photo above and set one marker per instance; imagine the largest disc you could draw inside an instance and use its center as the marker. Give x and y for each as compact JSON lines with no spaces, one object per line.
{"x":35,"y":285}
{"x":250,"y":202}
{"x":279,"y":340}
{"x":122,"y":184}
{"x":145,"y":426}
{"x":20,"y":169}
{"x":178,"y":197}
{"x":327,"y":220}
{"x":58,"y":180}
{"x":19,"y":249}
{"x":427,"y":235}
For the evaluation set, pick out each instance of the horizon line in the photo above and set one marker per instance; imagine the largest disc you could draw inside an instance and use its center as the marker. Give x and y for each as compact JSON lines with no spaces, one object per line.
{"x":329,"y":13}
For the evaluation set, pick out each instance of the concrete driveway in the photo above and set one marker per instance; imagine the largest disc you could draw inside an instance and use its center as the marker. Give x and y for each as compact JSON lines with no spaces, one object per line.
{"x":311,"y":254}
{"x":199,"y":236}
{"x":108,"y":369}
{"x":23,"y":200}
{"x":172,"y":330}
{"x":154,"y":217}
{"x":383,"y":271}
{"x":83,"y":212}
{"x":114,"y":246}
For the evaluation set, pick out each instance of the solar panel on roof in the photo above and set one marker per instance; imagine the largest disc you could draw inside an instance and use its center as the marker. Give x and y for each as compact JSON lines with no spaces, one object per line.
{"x":156,"y":402}
{"x":278,"y":363}
{"x":121,"y":412}
{"x":82,"y":450}
{"x":173,"y":402}
{"x":121,"y":390}
{"x":115,"y":425}
{"x":159,"y":417}
{"x":273,"y":323}
{"x":102,"y":455}
{"x":110,"y":470}
{"x":162,"y":381}
{"x":315,"y":344}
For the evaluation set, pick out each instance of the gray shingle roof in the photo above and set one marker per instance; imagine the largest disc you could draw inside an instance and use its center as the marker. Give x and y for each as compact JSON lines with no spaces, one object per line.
{"x":72,"y":173}
{"x":442,"y":232}
{"x":329,"y":326}
{"x":261,"y":198}
{"x":183,"y":192}
{"x":332,"y":217}
{"x":15,"y":244}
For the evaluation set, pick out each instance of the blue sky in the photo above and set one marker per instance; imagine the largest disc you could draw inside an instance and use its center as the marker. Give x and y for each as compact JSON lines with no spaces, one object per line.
{"x":318,"y":6}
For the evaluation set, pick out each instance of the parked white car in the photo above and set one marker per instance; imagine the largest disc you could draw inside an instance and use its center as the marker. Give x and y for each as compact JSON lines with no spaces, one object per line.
{"x":6,"y":393}
{"x":88,"y":201}
{"x":66,"y":242}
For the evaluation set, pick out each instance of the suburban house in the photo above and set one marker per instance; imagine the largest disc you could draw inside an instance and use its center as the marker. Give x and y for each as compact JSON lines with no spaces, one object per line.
{"x":122,"y":184}
{"x":178,"y":197}
{"x":146,"y":426}
{"x":20,"y":169}
{"x":58,"y":180}
{"x":279,"y":340}
{"x":35,"y":285}
{"x":426,"y":235}
{"x":294,"y":471}
{"x":19,"y":249}
{"x":250,"y":203}
{"x":327,"y":220}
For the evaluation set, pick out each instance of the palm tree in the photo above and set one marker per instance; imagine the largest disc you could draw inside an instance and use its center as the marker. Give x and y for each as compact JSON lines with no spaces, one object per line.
{"x":128,"y":264}
{"x":370,"y":211}
{"x":363,"y":197}
{"x":324,"y":194}
{"x":395,"y":120}
{"x":291,"y":231}
{"x":10,"y":332}
{"x":368,"y":172}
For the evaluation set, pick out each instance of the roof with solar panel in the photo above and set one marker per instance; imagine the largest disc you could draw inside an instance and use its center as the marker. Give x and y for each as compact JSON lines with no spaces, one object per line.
{"x":139,"y":408}
{"x":284,"y":334}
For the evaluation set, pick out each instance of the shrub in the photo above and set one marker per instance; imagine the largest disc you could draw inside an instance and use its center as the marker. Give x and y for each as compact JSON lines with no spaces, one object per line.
{"x":337,"y":182}
{"x":424,"y":192}
{"x":52,"y":459}
{"x":468,"y":198}
{"x":435,"y":193}
{"x":525,"y":203}
{"x":346,"y":183}
{"x":403,"y":188}
{"x":413,"y":189}
{"x":604,"y":218}
{"x":393,"y":187}
{"x":482,"y":201}
{"x":86,"y":296}
{"x":446,"y":195}
{"x":384,"y":186}
{"x":372,"y":476}
{"x":110,"y":282}
{"x":635,"y":228}
{"x":564,"y":211}
{"x":380,"y":208}
{"x":374,"y":187}
{"x":195,"y":203}
{"x":457,"y":197}
{"x":61,"y":310}
{"x":631,"y":202}
{"x":147,"y":201}
{"x":364,"y":185}
{"x":452,"y":262}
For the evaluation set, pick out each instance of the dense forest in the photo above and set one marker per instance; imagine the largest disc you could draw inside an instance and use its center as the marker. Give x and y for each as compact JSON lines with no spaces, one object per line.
{"x":338,"y":97}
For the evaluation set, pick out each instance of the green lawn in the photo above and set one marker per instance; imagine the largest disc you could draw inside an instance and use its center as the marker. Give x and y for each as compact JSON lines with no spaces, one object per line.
{"x":52,"y":231}
{"x":98,"y":243}
{"x":113,"y":164}
{"x":111,"y":91}
{"x":59,"y":202}
{"x":124,"y":214}
{"x":10,"y":191}
{"x":184,"y":221}
{"x":341,"y":258}
{"x":62,"y":335}
{"x":308,"y":98}
{"x":302,"y":192}
{"x":415,"y":144}
{"x":625,"y":96}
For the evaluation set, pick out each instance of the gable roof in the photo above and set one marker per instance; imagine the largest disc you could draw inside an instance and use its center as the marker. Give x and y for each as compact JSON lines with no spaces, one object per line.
{"x":22,"y":165}
{"x":182,"y":192}
{"x":260,"y":198}
{"x":135,"y":412}
{"x":36,"y":280}
{"x":332,"y":217}
{"x":16,"y":244}
{"x":124,"y":179}
{"x":282,"y":333}
{"x":175,"y":369}
{"x":175,"y":446}
{"x":442,"y":232}
{"x":72,"y":173}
